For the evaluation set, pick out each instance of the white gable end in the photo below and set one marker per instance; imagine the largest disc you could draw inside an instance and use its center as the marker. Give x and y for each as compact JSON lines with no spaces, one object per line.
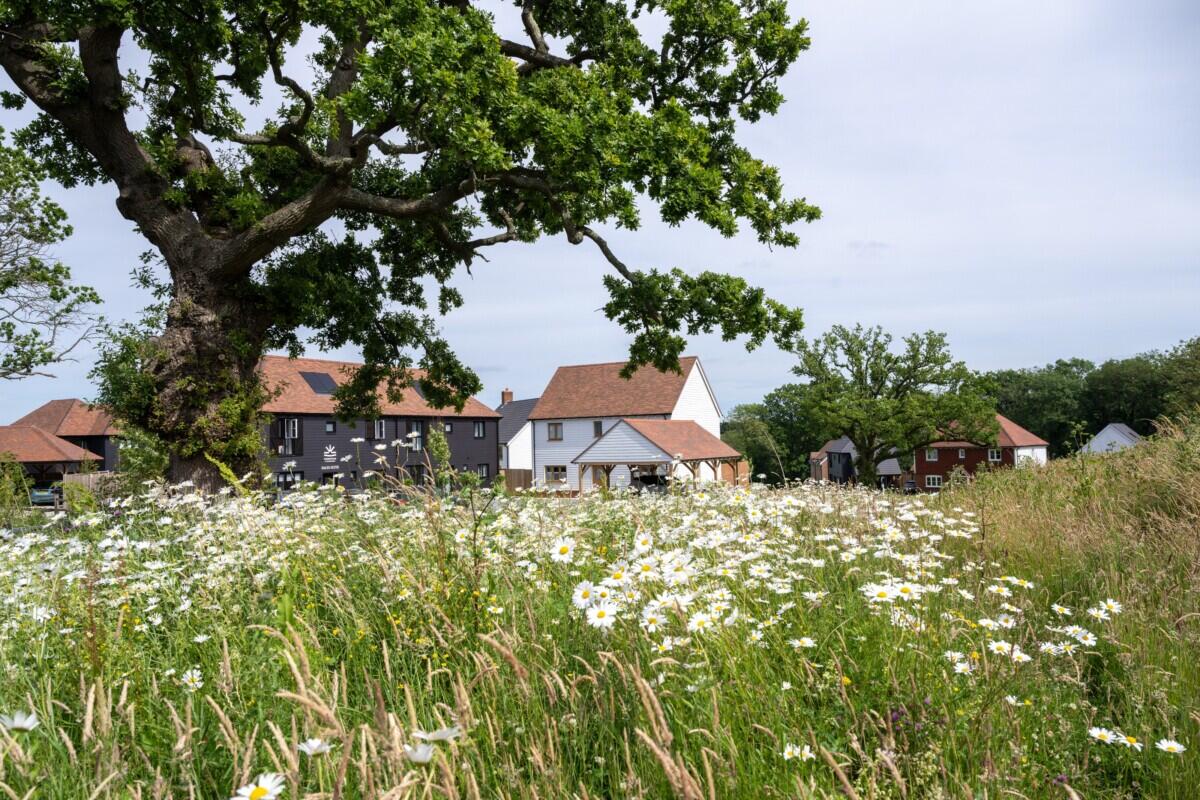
{"x":696,"y":402}
{"x":623,"y":445}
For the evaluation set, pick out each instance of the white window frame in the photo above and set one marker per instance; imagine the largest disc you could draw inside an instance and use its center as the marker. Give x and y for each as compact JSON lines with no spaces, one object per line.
{"x":381,"y":429}
{"x":995,"y":455}
{"x":482,"y":470}
{"x":291,"y":428}
{"x":931,"y":454}
{"x":479,"y":429}
{"x":933,"y":481}
{"x":962,"y":454}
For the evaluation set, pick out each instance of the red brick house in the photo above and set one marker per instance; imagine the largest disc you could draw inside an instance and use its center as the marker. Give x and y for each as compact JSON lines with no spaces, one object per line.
{"x":1014,"y":446}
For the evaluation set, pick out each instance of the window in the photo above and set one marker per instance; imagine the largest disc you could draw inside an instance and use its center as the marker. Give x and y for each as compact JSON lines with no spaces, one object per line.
{"x":931,"y":454}
{"x":330,"y":478}
{"x":597,"y":429}
{"x":331,"y":426}
{"x":286,"y":480}
{"x":556,"y":473}
{"x":933,"y":481}
{"x":479,"y":429}
{"x":554,"y":432}
{"x":417,"y":473}
{"x":380,"y":429}
{"x":416,"y":434}
{"x":448,"y":427}
{"x":482,"y":471}
{"x":289,"y":433}
{"x":962,"y":453}
{"x":994,"y":455}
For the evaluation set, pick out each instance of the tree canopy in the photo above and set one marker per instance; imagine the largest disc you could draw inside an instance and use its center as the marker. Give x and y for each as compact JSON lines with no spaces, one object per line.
{"x":328,"y":194}
{"x":891,"y":401}
{"x":778,"y":434}
{"x":43,"y":315}
{"x":1049,"y":401}
{"x":1068,"y":401}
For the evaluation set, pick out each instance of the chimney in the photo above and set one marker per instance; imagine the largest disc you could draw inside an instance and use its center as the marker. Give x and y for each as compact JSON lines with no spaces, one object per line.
{"x":506,"y":396}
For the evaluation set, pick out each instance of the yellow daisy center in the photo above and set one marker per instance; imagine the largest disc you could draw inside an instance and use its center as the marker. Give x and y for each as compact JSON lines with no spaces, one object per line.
{"x":258,"y":793}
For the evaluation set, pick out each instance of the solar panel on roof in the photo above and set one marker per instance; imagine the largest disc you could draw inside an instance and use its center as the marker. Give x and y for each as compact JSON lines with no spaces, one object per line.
{"x":319,"y":382}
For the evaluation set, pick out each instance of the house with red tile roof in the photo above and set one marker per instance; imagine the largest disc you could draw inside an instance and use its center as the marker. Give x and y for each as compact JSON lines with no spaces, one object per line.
{"x":81,"y":424}
{"x":306,"y":441}
{"x":44,"y":456}
{"x":592,"y":425}
{"x":1014,"y":446}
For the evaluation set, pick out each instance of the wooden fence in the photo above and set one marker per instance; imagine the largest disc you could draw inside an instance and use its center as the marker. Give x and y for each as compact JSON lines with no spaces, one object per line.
{"x":517,"y":479}
{"x":92,"y":480}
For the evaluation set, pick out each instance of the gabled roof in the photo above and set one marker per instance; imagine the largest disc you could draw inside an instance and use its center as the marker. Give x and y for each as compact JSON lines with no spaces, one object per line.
{"x":513,"y":416}
{"x":839,"y":445}
{"x":70,"y":417}
{"x":598,"y":390}
{"x":1122,"y":431}
{"x":1011,"y":435}
{"x":30,"y":445}
{"x":681,"y":439}
{"x":299,"y":397}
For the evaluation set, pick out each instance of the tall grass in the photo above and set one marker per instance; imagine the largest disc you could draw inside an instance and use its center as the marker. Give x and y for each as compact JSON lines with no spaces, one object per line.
{"x":363,"y":621}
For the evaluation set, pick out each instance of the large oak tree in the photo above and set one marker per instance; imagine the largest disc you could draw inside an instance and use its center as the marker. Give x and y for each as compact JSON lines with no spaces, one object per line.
{"x":413,"y":136}
{"x":891,"y":401}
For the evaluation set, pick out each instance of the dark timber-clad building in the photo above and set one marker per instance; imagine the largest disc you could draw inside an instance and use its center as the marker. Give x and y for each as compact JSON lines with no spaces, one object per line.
{"x":306,"y":441}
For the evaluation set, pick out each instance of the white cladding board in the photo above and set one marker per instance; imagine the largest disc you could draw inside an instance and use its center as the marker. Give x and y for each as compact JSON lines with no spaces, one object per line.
{"x":1107,"y":441}
{"x":520,"y":448}
{"x":696,"y":403}
{"x":576,"y":437}
{"x":621,"y":444}
{"x":1030,"y":455}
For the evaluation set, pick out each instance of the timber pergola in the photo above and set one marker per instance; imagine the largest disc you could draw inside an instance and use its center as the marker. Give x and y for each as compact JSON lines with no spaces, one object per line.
{"x":655,"y":447}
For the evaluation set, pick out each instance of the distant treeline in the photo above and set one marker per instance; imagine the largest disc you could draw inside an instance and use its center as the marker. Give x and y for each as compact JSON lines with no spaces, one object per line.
{"x":1065,"y":403}
{"x":1070,"y":400}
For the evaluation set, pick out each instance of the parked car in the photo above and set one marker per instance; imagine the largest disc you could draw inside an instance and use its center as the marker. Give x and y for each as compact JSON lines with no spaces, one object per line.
{"x":45,"y":494}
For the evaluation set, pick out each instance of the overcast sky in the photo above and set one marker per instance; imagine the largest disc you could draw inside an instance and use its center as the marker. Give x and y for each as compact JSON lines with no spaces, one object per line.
{"x":1024,"y":176}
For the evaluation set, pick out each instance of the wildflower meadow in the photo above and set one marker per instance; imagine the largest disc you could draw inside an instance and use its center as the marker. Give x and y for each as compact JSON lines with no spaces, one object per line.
{"x":707,"y":642}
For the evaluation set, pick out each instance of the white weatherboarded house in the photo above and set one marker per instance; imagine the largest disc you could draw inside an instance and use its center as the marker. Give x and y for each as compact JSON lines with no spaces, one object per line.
{"x":1115,"y":436}
{"x":583,"y":402}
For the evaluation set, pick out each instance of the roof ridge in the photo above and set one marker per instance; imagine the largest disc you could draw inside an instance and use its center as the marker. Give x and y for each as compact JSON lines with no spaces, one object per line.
{"x":613,"y":363}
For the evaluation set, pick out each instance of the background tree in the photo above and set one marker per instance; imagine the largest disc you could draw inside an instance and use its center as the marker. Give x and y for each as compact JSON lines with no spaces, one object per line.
{"x":892,"y":402}
{"x":1182,"y":368}
{"x":778,"y":434}
{"x":426,"y":136}
{"x":746,"y":431}
{"x":1048,"y":401}
{"x":1130,"y":390}
{"x":43,"y":316}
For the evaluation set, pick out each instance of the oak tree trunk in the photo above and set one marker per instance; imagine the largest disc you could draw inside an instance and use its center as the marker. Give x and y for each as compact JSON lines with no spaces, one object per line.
{"x":204,"y":368}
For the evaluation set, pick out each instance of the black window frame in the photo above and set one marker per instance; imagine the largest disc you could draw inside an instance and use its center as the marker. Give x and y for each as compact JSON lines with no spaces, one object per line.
{"x":551,"y":429}
{"x":597,"y":428}
{"x":556,"y":467}
{"x":287,"y":479}
{"x":416,"y":443}
{"x":331,"y":426}
{"x":447,"y":427}
{"x":483,"y":470}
